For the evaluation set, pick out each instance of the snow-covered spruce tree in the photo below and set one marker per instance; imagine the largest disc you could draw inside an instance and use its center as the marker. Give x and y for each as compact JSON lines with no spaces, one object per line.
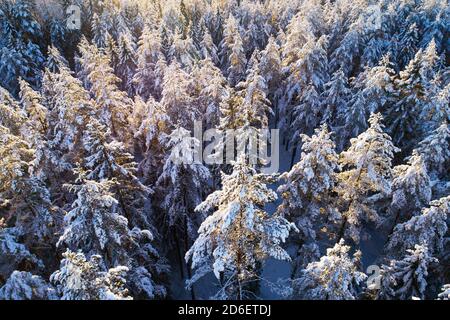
{"x":23,"y":285}
{"x":166,"y":40}
{"x":59,"y":35}
{"x":298,"y":32}
{"x":236,"y":61}
{"x":435,"y":151}
{"x":409,"y":39}
{"x":20,"y":52}
{"x":100,"y":31}
{"x":436,"y":111}
{"x":428,"y":228}
{"x":377,"y":85}
{"x":82,"y":279}
{"x":412,"y":88}
{"x":430,"y":65}
{"x":70,"y":107}
{"x":183,"y":51}
{"x":373,"y":90}
{"x":411,"y":190}
{"x":35,"y":128}
{"x":95,"y":226}
{"x":183,"y":183}
{"x":307,"y":188}
{"x":127,"y":61}
{"x":107,"y":159}
{"x":254,"y":91}
{"x":232,"y":52}
{"x":257,"y":31}
{"x":148,"y":77}
{"x":112,"y":50}
{"x":348,"y":49}
{"x":336,"y":276}
{"x":408,"y":276}
{"x":366,"y":177}
{"x":271,"y":69}
{"x":309,"y":70}
{"x":244,"y":112}
{"x":112,"y":104}
{"x":210,"y":88}
{"x":305,"y":115}
{"x":336,"y":98}
{"x":230,"y":32}
{"x":31,"y":102}
{"x":176,"y":98}
{"x":209,"y":48}
{"x":13,"y":254}
{"x":12,"y":116}
{"x":54,"y":60}
{"x":25,"y":198}
{"x":196,"y":31}
{"x":149,"y":122}
{"x":239,"y":235}
{"x":353,"y":119}
{"x":253,"y":61}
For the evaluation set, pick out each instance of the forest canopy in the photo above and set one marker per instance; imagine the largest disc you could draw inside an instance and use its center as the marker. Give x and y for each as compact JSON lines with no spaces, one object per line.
{"x":98,"y":98}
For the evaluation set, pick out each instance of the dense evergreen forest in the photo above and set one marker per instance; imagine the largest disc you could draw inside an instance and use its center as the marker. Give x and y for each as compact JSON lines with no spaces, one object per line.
{"x":99,"y":97}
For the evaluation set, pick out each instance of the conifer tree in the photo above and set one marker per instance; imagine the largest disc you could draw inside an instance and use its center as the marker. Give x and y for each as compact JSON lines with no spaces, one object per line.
{"x":36,"y":125}
{"x":147,"y":79}
{"x":367,"y":170}
{"x":307,"y":188}
{"x":427,"y":228}
{"x":408,"y":276}
{"x":11,"y":115}
{"x":411,"y":189}
{"x":25,"y":196}
{"x":176,"y":98}
{"x":184,"y":182}
{"x":108,"y":160}
{"x":435,"y":150}
{"x":82,"y":279}
{"x":336,"y":95}
{"x":13,"y":254}
{"x":335,"y":276}
{"x":150,"y":123}
{"x":126,"y":64}
{"x":239,"y":234}
{"x":23,"y":285}
{"x":113,"y":105}
{"x":209,"y":48}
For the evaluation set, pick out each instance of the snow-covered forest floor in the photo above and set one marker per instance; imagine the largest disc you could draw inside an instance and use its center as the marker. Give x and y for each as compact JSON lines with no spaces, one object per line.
{"x":103,"y":195}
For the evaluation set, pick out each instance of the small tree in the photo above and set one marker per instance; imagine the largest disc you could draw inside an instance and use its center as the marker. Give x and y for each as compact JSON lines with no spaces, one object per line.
{"x":408,"y":277}
{"x":26,"y":286}
{"x":335,"y":277}
{"x":411,"y":189}
{"x":435,"y":150}
{"x":428,"y":228}
{"x":82,"y":279}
